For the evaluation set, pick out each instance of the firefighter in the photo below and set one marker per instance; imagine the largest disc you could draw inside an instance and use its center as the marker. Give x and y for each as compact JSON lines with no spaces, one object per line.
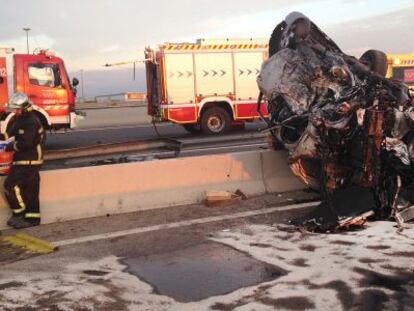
{"x":21,"y":186}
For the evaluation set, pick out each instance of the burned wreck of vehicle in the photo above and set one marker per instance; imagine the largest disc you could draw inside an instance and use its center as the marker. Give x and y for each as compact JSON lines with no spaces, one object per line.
{"x":349,"y":130}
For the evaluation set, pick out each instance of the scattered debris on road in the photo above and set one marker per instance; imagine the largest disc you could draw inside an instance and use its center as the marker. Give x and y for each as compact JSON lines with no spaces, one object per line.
{"x":22,"y":246}
{"x":222,"y":198}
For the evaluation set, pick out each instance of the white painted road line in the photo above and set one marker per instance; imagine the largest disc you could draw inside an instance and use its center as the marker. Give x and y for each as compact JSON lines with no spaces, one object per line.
{"x":115,"y":234}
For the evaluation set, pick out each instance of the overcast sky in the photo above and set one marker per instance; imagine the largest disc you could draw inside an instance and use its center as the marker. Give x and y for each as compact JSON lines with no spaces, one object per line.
{"x":90,"y":33}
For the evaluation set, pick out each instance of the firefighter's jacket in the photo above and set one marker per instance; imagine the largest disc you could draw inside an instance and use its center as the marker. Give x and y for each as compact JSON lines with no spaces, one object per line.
{"x":29,"y":139}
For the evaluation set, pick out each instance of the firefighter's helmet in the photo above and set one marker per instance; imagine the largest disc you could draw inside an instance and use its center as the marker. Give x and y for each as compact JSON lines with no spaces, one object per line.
{"x":19,"y":101}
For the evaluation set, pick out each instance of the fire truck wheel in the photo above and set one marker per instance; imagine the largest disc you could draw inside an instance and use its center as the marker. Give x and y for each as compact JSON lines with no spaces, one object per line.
{"x":215,"y":121}
{"x":376,"y":61}
{"x":192,"y":128}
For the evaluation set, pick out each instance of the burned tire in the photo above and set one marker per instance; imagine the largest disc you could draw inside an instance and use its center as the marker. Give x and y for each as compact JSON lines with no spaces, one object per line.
{"x":192,"y":128}
{"x":215,"y":120}
{"x":275,"y":39}
{"x":316,"y":34}
{"x":376,"y":61}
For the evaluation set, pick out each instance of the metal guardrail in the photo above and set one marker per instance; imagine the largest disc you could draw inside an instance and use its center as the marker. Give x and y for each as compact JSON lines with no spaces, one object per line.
{"x":114,"y":149}
{"x":109,"y":96}
{"x":165,"y":147}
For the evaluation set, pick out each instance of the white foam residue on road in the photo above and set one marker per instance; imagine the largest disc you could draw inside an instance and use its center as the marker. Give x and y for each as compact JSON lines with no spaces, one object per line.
{"x":322,"y":267}
{"x":74,"y":289}
{"x":324,"y":274}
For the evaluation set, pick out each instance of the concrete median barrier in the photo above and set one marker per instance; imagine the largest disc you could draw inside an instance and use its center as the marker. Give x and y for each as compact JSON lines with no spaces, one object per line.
{"x":122,"y":116}
{"x":101,"y":190}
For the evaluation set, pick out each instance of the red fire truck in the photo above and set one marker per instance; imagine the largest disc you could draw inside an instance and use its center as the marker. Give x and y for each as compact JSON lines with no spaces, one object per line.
{"x":401,"y":67}
{"x":206,"y":86}
{"x":43,"y":77}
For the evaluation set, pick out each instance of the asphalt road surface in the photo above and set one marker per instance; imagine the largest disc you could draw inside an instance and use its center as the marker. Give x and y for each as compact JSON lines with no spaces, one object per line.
{"x":239,"y":257}
{"x":126,"y":124}
{"x":120,"y":129}
{"x":123,"y":133}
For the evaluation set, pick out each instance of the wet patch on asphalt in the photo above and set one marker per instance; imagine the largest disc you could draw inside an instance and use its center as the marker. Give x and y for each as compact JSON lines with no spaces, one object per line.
{"x":343,"y":291}
{"x":260,"y":245}
{"x":307,"y":247}
{"x":378,"y":247}
{"x":403,"y":254}
{"x":95,"y":272}
{"x":201,"y":271}
{"x":371,"y":299}
{"x":258,"y":294}
{"x":345,"y":243}
{"x":395,"y":282}
{"x":300,"y":262}
{"x":370,"y":260}
{"x":289,"y":303}
{"x":10,"y":285}
{"x":10,"y":253}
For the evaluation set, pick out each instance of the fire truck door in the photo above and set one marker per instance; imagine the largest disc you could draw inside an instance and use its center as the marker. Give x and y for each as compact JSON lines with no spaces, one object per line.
{"x":43,"y":85}
{"x":4,"y":92}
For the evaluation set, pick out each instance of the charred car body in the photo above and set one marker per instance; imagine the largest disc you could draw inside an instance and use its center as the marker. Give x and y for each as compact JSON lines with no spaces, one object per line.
{"x":349,"y":130}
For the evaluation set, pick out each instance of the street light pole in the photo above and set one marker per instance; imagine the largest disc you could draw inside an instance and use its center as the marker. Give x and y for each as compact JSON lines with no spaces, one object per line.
{"x":27,"y":39}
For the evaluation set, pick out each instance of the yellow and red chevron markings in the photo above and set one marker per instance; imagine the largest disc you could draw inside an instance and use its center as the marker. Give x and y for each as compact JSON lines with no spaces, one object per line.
{"x":197,"y":47}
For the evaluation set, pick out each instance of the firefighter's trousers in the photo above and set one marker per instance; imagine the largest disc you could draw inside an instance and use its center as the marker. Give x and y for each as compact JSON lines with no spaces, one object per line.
{"x":22,"y":191}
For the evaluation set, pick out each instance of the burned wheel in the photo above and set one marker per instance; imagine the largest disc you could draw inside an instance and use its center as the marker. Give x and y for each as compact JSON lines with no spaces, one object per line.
{"x":275,"y":39}
{"x":215,"y":121}
{"x":376,"y":61}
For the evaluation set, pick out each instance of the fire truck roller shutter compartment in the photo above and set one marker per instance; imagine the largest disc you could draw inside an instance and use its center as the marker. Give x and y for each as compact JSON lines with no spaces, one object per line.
{"x":214,"y":74}
{"x":247,"y":67}
{"x":180,"y":87}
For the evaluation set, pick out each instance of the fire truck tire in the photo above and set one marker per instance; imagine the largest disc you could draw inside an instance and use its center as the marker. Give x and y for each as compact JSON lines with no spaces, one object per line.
{"x":192,"y":128}
{"x":376,"y":61}
{"x":215,"y":120}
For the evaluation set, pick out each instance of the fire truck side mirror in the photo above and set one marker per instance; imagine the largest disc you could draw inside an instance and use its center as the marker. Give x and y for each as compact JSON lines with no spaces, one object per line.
{"x":1,"y":80}
{"x":75,"y":81}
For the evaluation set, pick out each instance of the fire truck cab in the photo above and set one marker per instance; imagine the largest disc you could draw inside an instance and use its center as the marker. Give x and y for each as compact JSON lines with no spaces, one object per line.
{"x":43,"y":77}
{"x":401,"y":67}
{"x":206,"y":86}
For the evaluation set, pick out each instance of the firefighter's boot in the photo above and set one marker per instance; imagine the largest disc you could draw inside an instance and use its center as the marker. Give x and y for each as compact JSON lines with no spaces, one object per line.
{"x":14,"y":219}
{"x":22,"y":223}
